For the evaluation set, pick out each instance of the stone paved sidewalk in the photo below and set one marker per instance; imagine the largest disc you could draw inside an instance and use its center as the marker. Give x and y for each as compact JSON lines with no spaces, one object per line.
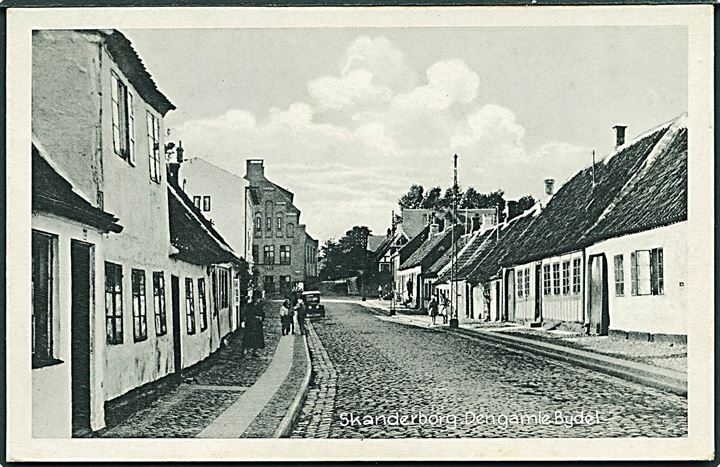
{"x":209,"y":388}
{"x":663,"y":355}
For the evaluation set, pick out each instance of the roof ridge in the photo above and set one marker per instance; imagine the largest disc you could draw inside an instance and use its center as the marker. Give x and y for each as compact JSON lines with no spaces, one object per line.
{"x":672,"y":131}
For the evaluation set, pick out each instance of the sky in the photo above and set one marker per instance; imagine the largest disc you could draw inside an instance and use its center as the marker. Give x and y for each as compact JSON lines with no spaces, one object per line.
{"x":348,"y":119}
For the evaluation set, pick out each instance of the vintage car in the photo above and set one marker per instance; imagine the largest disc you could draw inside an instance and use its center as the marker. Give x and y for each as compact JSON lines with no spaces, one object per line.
{"x":313,"y":306}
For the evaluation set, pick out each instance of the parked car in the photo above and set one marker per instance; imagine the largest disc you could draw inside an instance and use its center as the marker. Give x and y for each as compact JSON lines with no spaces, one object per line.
{"x":313,"y":306}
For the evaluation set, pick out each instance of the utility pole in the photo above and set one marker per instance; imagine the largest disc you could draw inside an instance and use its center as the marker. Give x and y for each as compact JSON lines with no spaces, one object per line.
{"x":453,"y":260}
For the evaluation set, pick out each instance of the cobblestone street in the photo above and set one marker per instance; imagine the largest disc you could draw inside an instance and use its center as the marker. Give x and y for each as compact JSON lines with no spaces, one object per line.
{"x":367,"y":372}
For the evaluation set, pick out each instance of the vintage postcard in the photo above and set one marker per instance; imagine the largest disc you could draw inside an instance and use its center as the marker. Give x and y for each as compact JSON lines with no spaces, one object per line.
{"x":464,"y":233}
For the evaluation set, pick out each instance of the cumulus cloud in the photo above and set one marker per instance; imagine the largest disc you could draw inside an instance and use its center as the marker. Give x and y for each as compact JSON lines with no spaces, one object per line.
{"x":360,"y":137}
{"x":353,"y":88}
{"x":449,"y":82}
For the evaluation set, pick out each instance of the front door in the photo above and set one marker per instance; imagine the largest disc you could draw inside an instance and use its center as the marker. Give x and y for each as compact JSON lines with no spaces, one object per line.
{"x":510,"y":295}
{"x":498,"y":302}
{"x":599,"y":311}
{"x":81,"y":290}
{"x":538,"y":293}
{"x":177,"y":343}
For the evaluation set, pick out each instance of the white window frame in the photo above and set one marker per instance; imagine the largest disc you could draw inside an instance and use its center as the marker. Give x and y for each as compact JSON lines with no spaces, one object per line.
{"x":153,"y":132}
{"x":123,"y":118}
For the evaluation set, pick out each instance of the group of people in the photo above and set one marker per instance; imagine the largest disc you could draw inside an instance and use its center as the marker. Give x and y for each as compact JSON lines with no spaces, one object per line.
{"x":434,"y":309}
{"x":291,"y":308}
{"x":253,"y":338}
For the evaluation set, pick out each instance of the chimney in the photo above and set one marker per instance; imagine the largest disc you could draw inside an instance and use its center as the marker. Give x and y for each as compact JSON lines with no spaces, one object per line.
{"x":434,"y":229}
{"x":173,"y":157}
{"x":619,"y":135}
{"x":254,"y":169}
{"x":549,"y":186}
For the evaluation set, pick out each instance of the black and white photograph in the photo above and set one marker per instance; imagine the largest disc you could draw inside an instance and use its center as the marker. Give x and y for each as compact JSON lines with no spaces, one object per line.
{"x":273,"y":232}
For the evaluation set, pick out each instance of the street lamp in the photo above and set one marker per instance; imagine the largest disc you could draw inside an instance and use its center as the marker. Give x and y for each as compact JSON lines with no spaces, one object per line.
{"x":454,"y":323}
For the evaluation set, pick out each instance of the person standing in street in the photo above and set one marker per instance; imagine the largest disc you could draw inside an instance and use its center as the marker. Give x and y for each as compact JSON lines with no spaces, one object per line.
{"x":254,"y":337}
{"x":291,"y":318}
{"x":284,"y":317}
{"x":433,"y":309}
{"x":301,"y":315}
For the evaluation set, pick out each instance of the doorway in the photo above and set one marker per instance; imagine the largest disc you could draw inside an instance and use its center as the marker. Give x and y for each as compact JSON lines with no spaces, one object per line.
{"x":509,"y":312}
{"x":599,"y":310}
{"x":538,"y":293}
{"x":177,"y":343}
{"x":81,"y":295}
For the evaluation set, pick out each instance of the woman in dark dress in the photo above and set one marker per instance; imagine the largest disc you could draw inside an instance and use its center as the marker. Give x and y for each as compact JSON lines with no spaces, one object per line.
{"x":254,"y":338}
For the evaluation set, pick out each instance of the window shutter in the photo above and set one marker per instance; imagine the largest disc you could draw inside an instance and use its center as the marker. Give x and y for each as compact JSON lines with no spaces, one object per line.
{"x":653,"y":273}
{"x":633,"y":274}
{"x":661,"y":277}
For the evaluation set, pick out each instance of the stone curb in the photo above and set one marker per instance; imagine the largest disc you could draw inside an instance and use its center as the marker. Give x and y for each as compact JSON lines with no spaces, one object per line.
{"x":664,"y":382}
{"x":286,"y":424}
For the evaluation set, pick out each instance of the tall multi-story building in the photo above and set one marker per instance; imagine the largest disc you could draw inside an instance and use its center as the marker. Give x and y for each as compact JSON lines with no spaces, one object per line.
{"x":284,"y":254}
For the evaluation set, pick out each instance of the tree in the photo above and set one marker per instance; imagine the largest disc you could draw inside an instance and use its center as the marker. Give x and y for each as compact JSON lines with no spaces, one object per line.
{"x":446,"y":201}
{"x":413,"y":198}
{"x":515,"y":208}
{"x":431,"y":198}
{"x":347,"y":257}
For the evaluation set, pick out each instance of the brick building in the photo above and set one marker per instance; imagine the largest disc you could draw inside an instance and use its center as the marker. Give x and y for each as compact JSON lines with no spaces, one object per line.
{"x":284,"y":254}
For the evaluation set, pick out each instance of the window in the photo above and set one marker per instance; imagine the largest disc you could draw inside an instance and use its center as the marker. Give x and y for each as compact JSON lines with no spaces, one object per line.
{"x":519,"y":283}
{"x":280,"y":221}
{"x":523,"y":282}
{"x":547,"y":286}
{"x":139,"y":306}
{"x":619,"y":275}
{"x":577,"y":275}
{"x":113,"y":303}
{"x":42,"y":299}
{"x":290,"y":230}
{"x":285,"y":284}
{"x":255,"y":253}
{"x":224,"y":287}
{"x":269,"y":254}
{"x":526,"y":281}
{"x":269,"y":284}
{"x":268,"y":224}
{"x":159,"y":301}
{"x":202,"y":304}
{"x":284,"y":254}
{"x":258,"y":225}
{"x":646,"y":271}
{"x":196,"y":201}
{"x":206,"y":203}
{"x":566,"y":278}
{"x":123,"y":119}
{"x":556,"y":278}
{"x":189,"y":306}
{"x":153,"y":131}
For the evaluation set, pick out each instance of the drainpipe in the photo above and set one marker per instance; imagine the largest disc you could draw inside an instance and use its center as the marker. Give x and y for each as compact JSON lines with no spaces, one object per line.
{"x":585,"y":269}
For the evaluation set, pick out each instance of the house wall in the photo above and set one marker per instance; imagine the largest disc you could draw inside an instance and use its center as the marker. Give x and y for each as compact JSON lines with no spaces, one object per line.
{"x":51,"y":385}
{"x":495,"y":307}
{"x":414,"y":275}
{"x":654,"y":314}
{"x":195,"y":347}
{"x":66,"y":100}
{"x":564,"y":306}
{"x":230,"y":208}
